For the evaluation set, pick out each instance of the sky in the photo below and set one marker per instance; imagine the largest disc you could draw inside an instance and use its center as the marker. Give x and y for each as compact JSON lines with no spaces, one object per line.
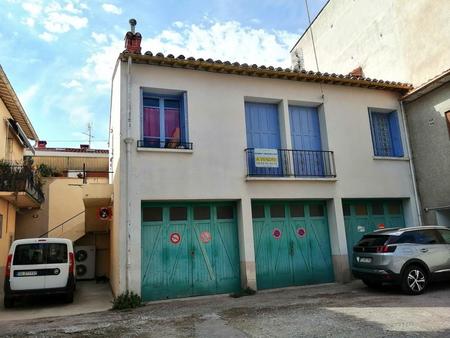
{"x":59,"y":55}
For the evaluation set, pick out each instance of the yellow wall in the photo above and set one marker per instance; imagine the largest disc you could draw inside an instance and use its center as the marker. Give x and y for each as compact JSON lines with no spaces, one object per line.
{"x":11,"y":150}
{"x":8,"y":212}
{"x":64,"y":199}
{"x":10,"y":147}
{"x":33,"y":223}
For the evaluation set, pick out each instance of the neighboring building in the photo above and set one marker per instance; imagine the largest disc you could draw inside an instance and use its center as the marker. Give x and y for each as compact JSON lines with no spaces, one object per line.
{"x":19,"y":188}
{"x":399,"y":40}
{"x":403,"y":40}
{"x":230,"y":175}
{"x":428,"y":113}
{"x":75,"y":186}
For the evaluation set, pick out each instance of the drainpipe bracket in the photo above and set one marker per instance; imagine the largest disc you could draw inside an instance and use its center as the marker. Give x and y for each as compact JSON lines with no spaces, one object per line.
{"x":128,"y":140}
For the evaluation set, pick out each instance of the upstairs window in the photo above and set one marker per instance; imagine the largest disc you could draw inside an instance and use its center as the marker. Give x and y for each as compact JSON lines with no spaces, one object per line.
{"x":164,"y":122}
{"x":386,"y":137}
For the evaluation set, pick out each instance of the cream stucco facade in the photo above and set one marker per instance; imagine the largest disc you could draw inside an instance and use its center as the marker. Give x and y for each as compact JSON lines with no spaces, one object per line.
{"x":216,"y":167}
{"x":397,"y":40}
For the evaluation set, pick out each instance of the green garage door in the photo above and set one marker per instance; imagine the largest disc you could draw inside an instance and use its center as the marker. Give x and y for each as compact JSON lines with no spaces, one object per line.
{"x":364,"y":216}
{"x":189,"y":249}
{"x":292,"y":244}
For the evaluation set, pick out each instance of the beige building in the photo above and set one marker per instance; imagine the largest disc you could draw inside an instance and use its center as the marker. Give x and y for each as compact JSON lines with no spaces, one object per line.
{"x":76,"y":186}
{"x":19,"y":188}
{"x":233,"y":175}
{"x":399,"y":40}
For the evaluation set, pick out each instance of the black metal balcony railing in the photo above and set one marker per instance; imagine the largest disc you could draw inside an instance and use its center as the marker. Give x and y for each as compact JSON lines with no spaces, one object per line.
{"x":289,"y":163}
{"x":20,"y":178}
{"x":168,"y":143}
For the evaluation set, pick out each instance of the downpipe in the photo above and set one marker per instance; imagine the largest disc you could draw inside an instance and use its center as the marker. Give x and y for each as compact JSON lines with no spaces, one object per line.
{"x":411,"y":165}
{"x":128,"y":141}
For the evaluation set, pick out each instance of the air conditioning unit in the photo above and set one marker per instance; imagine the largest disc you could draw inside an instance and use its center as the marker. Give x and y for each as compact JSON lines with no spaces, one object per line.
{"x":85,"y":262}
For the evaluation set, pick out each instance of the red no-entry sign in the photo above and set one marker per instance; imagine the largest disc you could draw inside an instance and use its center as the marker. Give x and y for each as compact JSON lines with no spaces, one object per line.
{"x":276,"y":233}
{"x":175,"y":237}
{"x":205,"y":237}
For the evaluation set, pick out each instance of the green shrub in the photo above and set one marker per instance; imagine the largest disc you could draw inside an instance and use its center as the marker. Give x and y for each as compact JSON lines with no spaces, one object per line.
{"x":126,"y":300}
{"x":46,"y":171}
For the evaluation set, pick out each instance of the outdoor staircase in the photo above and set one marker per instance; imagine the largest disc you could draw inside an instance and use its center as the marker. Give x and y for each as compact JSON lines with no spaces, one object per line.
{"x":73,"y":228}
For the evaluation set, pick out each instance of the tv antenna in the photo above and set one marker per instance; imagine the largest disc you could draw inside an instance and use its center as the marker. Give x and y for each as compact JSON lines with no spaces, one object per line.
{"x":89,"y":133}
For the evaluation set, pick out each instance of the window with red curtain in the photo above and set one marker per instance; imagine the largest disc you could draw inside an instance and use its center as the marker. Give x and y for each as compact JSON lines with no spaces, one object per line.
{"x":162,"y":121}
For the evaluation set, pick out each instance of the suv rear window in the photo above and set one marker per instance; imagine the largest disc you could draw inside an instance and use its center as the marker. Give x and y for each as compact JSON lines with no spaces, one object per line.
{"x":40,"y":253}
{"x":428,"y":236}
{"x":373,"y":240}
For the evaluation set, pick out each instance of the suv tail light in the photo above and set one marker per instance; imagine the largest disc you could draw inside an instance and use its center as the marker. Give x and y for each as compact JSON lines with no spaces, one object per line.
{"x":8,"y":266}
{"x":386,"y":248}
{"x":71,"y":263}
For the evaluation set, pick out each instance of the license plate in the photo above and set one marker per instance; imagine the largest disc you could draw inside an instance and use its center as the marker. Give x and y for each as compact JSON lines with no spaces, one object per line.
{"x":365,"y":259}
{"x":26,"y":273}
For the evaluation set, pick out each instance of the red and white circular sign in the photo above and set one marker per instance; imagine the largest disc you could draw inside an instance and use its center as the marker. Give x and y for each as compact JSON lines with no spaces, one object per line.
{"x":276,"y":233}
{"x":205,"y":236}
{"x":175,"y":237}
{"x":301,"y":232}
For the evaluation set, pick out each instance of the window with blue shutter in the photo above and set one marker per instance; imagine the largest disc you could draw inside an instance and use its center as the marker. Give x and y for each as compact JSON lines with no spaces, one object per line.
{"x":386,"y":136}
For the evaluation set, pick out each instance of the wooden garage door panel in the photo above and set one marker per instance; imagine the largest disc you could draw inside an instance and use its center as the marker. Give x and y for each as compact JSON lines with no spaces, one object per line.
{"x":300,"y":255}
{"x":196,"y":255}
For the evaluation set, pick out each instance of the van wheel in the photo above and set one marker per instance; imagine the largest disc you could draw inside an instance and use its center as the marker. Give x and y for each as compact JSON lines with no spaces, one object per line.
{"x":69,"y":297}
{"x":8,"y":302}
{"x":414,"y":280}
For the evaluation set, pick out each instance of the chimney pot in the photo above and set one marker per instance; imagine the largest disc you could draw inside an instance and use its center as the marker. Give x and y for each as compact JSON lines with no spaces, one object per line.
{"x":42,"y":144}
{"x":133,"y":39}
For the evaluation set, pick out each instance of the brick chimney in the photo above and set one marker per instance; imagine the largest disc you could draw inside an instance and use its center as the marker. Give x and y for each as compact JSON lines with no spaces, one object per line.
{"x":133,"y":39}
{"x":357,"y":72}
{"x":41,"y":144}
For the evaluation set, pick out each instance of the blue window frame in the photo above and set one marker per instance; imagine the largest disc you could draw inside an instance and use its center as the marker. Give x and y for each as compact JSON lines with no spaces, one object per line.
{"x":386,"y":136}
{"x":164,"y":121}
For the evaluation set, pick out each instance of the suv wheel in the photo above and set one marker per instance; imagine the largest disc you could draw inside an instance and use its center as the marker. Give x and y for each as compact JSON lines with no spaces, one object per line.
{"x":8,"y":302}
{"x":414,"y":280}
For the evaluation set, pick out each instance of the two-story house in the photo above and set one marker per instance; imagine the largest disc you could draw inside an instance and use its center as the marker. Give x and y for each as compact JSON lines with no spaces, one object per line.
{"x":230,"y":175}
{"x":18,"y":187}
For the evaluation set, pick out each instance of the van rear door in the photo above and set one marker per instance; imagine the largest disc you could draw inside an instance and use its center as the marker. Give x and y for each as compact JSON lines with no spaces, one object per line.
{"x":27,"y":268}
{"x":57,"y":265}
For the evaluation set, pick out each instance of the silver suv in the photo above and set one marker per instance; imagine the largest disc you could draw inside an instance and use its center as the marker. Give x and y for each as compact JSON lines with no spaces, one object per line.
{"x":409,"y":257}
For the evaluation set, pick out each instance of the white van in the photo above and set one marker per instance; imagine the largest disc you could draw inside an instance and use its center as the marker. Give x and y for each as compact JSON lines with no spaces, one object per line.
{"x":39,"y":266}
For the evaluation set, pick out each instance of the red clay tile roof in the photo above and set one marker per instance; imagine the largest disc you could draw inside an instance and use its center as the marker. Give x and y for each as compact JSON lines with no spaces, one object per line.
{"x":226,"y":67}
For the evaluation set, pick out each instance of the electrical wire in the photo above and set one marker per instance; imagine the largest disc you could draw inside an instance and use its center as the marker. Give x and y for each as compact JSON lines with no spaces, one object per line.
{"x":313,"y":45}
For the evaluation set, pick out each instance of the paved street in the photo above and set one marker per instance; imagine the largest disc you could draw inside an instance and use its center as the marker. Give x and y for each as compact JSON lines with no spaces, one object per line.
{"x":335,"y":310}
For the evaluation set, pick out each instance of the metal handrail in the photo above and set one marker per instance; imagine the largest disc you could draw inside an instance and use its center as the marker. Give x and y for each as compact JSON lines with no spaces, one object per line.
{"x":293,"y":163}
{"x":60,"y":225}
{"x":170,"y":143}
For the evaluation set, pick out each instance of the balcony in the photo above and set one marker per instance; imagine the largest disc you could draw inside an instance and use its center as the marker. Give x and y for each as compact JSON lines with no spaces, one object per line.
{"x":20,"y":185}
{"x":167,"y":143}
{"x":290,"y":163}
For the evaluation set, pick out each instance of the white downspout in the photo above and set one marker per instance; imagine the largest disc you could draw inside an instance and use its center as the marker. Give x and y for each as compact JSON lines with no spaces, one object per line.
{"x":411,"y":165}
{"x":128,"y":141}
